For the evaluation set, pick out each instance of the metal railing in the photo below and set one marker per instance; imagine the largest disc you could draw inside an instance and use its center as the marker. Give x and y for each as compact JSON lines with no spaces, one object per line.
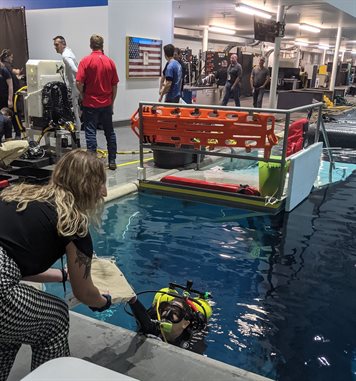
{"x":251,"y":110}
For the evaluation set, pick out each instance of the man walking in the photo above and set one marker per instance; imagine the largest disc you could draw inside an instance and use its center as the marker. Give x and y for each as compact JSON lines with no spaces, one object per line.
{"x":70,"y":72}
{"x":97,"y":81}
{"x":171,"y":82}
{"x":221,"y":77}
{"x":232,"y":85}
{"x":259,"y":80}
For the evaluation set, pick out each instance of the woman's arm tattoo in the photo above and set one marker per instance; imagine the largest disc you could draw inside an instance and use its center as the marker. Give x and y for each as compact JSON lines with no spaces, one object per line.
{"x":82,"y":259}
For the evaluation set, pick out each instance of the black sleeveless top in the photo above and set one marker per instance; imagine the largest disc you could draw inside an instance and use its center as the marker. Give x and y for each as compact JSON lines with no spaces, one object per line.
{"x":31,"y":239}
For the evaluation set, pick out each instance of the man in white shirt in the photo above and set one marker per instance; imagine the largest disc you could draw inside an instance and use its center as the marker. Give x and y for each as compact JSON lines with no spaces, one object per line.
{"x":71,"y":68}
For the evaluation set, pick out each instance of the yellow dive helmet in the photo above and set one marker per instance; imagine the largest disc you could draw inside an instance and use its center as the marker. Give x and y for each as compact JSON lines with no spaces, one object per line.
{"x":197,"y":304}
{"x":203,"y":307}
{"x":162,"y":295}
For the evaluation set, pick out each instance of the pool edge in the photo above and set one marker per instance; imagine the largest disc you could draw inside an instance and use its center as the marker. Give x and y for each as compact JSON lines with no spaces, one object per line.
{"x":135,"y":355}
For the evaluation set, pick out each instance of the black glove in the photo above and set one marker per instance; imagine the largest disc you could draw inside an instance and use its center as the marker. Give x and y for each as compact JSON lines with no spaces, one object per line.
{"x":107,"y":305}
{"x":143,"y":318}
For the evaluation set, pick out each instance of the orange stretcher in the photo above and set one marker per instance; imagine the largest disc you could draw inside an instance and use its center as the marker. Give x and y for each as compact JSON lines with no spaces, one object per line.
{"x":206,"y":127}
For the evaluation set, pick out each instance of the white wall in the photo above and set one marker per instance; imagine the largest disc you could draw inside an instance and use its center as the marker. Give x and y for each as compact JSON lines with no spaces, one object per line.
{"x":136,"y":18}
{"x":348,"y":6}
{"x":119,"y":19}
{"x":76,"y":25}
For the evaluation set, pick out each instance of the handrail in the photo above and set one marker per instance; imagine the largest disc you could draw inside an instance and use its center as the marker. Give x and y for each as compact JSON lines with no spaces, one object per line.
{"x":249,"y":109}
{"x":255,"y":111}
{"x":208,"y":127}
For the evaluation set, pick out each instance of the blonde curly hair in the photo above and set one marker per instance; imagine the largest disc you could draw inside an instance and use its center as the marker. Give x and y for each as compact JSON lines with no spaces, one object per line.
{"x":74,"y":189}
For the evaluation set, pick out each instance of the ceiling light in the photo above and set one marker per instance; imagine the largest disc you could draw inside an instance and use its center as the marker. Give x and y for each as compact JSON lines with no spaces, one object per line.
{"x":323,"y":47}
{"x":309,"y":28}
{"x":218,"y":29}
{"x":252,"y":11}
{"x":301,"y":43}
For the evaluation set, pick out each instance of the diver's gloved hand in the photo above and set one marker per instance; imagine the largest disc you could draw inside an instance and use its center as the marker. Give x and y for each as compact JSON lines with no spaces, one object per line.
{"x":141,"y":315}
{"x":107,"y":305}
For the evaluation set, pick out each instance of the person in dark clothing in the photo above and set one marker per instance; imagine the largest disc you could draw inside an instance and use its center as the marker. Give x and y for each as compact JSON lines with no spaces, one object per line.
{"x":38,"y":225}
{"x":7,"y":59}
{"x":221,"y":77}
{"x":6,"y":87}
{"x":178,"y":57}
{"x":232,"y":85}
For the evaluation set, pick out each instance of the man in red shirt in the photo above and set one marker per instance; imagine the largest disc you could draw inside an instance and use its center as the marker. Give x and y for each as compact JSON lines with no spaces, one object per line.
{"x":97,"y":81}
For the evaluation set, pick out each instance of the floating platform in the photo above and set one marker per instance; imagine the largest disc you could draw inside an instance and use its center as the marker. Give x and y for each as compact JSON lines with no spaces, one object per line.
{"x":256,"y":203}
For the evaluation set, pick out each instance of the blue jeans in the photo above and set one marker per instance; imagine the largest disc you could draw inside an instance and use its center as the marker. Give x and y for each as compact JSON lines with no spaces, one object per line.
{"x":228,"y":92}
{"x":258,"y":97}
{"x":91,"y":119}
{"x":172,"y":100}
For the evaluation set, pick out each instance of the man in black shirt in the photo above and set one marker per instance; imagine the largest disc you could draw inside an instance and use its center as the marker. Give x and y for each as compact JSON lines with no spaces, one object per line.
{"x":178,"y":57}
{"x":232,"y":86}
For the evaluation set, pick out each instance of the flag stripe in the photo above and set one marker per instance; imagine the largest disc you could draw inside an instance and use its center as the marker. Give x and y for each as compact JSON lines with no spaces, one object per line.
{"x":151,"y":49}
{"x":143,"y":71}
{"x":157,"y":55}
{"x":143,"y":74}
{"x":134,"y":61}
{"x":153,"y":67}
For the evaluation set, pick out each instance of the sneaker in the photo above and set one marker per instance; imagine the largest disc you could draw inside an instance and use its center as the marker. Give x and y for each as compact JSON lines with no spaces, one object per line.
{"x":112,"y":166}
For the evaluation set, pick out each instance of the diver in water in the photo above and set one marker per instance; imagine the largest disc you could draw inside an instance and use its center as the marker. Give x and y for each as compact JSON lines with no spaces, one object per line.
{"x":177,"y":319}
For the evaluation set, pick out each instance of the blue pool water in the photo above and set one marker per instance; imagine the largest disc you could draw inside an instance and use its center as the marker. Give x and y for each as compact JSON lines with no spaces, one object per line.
{"x":283,"y":286}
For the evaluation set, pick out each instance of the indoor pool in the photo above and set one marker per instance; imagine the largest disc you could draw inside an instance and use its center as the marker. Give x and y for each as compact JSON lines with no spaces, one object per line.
{"x":283,"y":286}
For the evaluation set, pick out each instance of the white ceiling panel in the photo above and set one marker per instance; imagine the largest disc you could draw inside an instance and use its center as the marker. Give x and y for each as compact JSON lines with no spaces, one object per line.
{"x":196,"y":14}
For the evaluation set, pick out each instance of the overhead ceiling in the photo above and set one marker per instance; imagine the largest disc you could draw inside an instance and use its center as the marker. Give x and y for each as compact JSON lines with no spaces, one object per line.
{"x":197,"y":14}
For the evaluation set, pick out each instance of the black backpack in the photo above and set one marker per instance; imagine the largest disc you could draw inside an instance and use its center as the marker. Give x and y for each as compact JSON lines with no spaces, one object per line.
{"x":56,"y":102}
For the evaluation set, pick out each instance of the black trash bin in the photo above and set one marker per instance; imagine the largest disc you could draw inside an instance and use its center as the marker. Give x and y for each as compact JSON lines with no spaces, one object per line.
{"x":32,"y":175}
{"x":169,"y":159}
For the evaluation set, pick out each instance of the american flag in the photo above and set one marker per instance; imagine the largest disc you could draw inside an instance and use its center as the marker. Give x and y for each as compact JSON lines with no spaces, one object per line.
{"x":144,"y":57}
